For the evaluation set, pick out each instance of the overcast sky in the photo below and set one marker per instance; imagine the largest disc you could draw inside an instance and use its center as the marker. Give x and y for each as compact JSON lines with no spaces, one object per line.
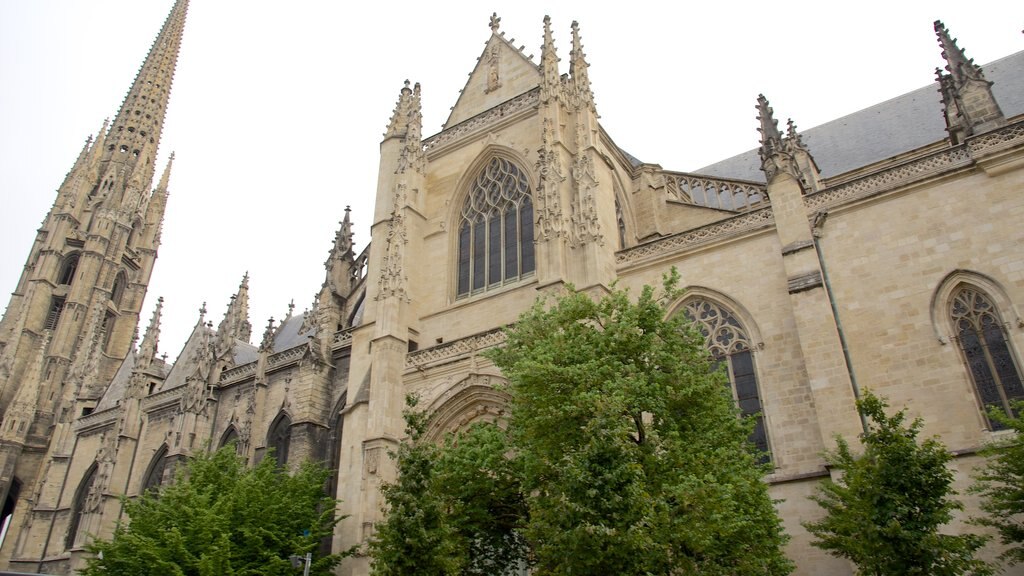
{"x":278,"y":108}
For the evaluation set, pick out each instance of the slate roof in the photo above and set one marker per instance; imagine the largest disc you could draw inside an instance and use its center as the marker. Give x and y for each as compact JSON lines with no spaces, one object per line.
{"x":887,"y":129}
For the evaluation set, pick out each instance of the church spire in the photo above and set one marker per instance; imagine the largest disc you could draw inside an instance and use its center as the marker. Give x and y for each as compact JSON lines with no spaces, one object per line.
{"x":135,"y":133}
{"x":967,"y":96}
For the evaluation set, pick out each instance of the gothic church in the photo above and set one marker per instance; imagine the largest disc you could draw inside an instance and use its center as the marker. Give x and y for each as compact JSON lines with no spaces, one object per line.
{"x":881,"y":250}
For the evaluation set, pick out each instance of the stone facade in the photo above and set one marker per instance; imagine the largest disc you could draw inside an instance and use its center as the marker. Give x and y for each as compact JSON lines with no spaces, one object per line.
{"x":811,"y":286}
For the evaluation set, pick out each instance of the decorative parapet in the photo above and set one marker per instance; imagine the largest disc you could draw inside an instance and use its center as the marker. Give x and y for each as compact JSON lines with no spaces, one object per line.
{"x":484,"y":119}
{"x":286,"y":357}
{"x":914,"y":170}
{"x":734,"y":226}
{"x":342,"y":338}
{"x":888,"y":179}
{"x":724,"y":194}
{"x":238,"y":372}
{"x":457,"y":348}
{"x":996,"y":140}
{"x":98,"y":419}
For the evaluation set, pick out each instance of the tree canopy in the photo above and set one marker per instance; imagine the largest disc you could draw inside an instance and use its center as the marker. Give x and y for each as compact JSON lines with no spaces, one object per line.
{"x":222,"y":518}
{"x":885,"y":510}
{"x":624,"y":446}
{"x":454,"y":509}
{"x":1000,"y":483}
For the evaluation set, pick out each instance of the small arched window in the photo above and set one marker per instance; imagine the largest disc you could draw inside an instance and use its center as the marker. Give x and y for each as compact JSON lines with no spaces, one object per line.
{"x":280,"y":438}
{"x":85,"y":500}
{"x":495,"y":230}
{"x":728,"y":343}
{"x":67,"y":270}
{"x":981,"y":334}
{"x":117,"y":292}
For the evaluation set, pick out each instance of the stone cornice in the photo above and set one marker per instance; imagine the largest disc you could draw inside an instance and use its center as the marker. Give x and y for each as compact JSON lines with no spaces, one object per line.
{"x":717,"y":231}
{"x":455,"y":349}
{"x":918,"y":169}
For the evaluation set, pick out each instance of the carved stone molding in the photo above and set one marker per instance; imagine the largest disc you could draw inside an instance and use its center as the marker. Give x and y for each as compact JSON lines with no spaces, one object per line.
{"x":455,"y":349}
{"x":704,"y":235}
{"x":888,"y":179}
{"x":481,"y":122}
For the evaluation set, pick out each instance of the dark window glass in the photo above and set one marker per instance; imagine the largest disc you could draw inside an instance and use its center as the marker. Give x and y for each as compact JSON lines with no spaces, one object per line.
{"x":511,"y":245}
{"x":980,"y":333}
{"x":496,"y":231}
{"x":85,"y":501}
{"x":494,"y":252}
{"x":53,"y":316}
{"x":526,"y":225}
{"x":479,"y":245}
{"x":280,"y":439}
{"x":67,"y":271}
{"x":726,"y":339}
{"x":464,"y":258}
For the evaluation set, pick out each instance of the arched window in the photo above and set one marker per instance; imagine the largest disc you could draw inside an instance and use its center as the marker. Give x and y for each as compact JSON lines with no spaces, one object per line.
{"x":495,"y":229}
{"x":728,"y":343}
{"x":67,"y":270}
{"x":280,"y":438}
{"x":980,"y":332}
{"x":81,"y":505}
{"x":117,"y":292}
{"x":157,"y":468}
{"x":230,"y":435}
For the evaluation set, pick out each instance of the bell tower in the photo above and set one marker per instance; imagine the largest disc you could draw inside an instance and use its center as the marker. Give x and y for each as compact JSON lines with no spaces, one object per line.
{"x":73,"y":315}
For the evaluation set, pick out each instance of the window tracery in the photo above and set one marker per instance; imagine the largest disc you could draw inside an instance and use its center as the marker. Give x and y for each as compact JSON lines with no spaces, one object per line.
{"x":495,"y":231}
{"x":981,"y":335}
{"x":728,"y":343}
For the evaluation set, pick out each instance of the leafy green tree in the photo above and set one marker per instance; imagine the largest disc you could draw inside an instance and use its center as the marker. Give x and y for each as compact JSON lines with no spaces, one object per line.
{"x":454,"y":509}
{"x":1000,"y":483}
{"x":885,"y":510}
{"x":222,"y":518}
{"x":634,"y":459}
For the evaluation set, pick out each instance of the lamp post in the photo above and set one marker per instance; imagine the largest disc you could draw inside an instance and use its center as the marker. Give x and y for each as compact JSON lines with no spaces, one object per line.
{"x":304,"y":562}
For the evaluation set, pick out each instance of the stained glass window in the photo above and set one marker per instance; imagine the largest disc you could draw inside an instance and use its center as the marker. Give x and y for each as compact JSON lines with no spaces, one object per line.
{"x":495,"y":232}
{"x":980,"y":333}
{"x":728,"y":343}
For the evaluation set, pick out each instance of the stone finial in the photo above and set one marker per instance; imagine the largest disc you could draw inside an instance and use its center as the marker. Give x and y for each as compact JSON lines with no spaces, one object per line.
{"x":267,"y":344}
{"x":785,"y":154}
{"x":578,"y":67}
{"x":400,"y":117}
{"x":291,"y":309}
{"x":495,"y":23}
{"x":235,"y":324}
{"x":968,"y":102}
{"x":549,"y":63}
{"x":771,"y":138}
{"x":958,"y":64}
{"x":151,"y":339}
{"x":165,"y":178}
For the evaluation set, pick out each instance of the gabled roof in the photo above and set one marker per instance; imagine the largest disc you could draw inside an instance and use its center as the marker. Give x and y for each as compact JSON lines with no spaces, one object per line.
{"x":502,"y":72}
{"x":884,"y":130}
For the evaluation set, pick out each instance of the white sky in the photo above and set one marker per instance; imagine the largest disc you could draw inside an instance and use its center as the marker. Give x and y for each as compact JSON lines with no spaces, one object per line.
{"x":278,"y":108}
